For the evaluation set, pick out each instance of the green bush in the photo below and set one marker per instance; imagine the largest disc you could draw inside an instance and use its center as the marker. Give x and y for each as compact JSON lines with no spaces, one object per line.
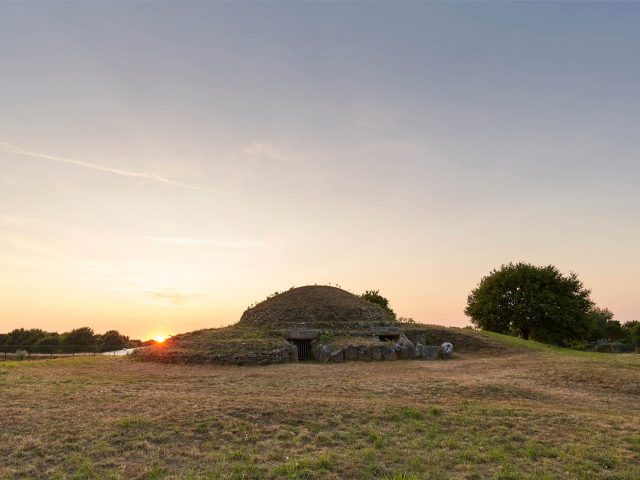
{"x":374,"y":296}
{"x":21,"y":354}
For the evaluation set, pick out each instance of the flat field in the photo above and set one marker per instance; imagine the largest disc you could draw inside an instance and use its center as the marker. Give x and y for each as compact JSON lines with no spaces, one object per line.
{"x":527,"y":413}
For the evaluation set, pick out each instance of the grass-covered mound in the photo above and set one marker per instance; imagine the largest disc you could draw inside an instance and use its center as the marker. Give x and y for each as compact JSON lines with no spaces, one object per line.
{"x":339,"y":326}
{"x":246,"y":345}
{"x":236,"y":344}
{"x":464,"y":340}
{"x":316,"y":306}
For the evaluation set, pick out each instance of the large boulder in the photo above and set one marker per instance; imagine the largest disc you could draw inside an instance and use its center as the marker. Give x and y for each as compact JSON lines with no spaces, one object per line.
{"x":337,"y":356}
{"x":364,"y":353}
{"x":430,"y":352}
{"x":446,"y":350}
{"x":376,"y":353}
{"x":350,"y":354}
{"x":322,"y":353}
{"x":404,"y":341}
{"x":404,"y":352}
{"x":293,"y":354}
{"x":389,"y":353}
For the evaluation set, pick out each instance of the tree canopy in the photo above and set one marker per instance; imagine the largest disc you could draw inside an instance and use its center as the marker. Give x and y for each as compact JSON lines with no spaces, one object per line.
{"x":533,"y":302}
{"x":82,"y":339}
{"x":604,"y":327}
{"x":633,"y":329}
{"x":112,"y":340}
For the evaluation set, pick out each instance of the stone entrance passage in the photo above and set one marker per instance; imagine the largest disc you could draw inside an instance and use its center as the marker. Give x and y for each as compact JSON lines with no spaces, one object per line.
{"x":388,"y":334}
{"x":388,"y":338}
{"x":301,"y":338}
{"x":304,"y":349}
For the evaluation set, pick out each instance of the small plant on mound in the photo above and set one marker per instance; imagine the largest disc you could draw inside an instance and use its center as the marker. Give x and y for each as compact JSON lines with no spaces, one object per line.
{"x":406,"y":320}
{"x":324,"y":338}
{"x":374,"y":296}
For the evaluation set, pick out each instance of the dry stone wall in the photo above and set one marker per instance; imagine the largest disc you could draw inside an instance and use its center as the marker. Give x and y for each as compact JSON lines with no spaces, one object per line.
{"x":284,"y":354}
{"x":389,"y":352}
{"x":324,"y":317}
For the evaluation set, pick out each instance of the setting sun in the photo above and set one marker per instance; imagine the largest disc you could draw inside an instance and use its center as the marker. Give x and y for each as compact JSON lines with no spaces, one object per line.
{"x":160,"y":338}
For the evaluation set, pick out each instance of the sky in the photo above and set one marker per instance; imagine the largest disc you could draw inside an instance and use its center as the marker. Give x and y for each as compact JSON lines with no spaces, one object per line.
{"x":164,"y":165}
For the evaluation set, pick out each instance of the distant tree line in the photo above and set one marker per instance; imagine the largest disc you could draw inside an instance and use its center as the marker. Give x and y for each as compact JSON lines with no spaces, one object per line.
{"x":603,"y":327}
{"x":82,"y":339}
{"x":543,"y":304}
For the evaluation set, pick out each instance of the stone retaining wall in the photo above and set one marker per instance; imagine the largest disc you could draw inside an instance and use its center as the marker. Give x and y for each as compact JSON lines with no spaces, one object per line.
{"x":324,"y":353}
{"x":284,"y":354}
{"x":317,"y":316}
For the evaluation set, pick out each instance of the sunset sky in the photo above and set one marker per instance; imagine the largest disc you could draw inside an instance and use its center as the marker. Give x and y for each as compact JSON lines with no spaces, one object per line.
{"x":164,"y":165}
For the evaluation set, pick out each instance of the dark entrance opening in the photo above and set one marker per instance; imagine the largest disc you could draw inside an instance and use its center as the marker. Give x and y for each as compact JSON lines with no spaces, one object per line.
{"x":388,"y":338}
{"x":304,"y":348}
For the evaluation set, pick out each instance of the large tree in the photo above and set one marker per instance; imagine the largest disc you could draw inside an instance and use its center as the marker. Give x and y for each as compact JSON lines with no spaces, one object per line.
{"x":599,"y":319}
{"x":633,"y":331}
{"x":112,"y":340}
{"x":79,"y":340}
{"x":533,"y":302}
{"x":604,"y":327}
{"x":23,"y":338}
{"x":48,"y":344}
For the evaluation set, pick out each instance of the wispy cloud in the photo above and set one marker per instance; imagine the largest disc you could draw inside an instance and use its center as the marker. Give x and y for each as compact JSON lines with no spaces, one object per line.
{"x":264,"y":149}
{"x":36,"y":227}
{"x":7,"y":147}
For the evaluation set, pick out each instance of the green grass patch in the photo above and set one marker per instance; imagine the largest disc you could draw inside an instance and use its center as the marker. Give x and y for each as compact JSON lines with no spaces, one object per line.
{"x":512,"y":341}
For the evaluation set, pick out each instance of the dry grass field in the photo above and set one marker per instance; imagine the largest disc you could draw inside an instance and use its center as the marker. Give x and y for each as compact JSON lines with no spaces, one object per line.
{"x":535,"y":414}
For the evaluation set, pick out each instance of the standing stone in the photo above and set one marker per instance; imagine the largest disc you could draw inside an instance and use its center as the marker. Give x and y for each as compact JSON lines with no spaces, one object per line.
{"x":364,"y":353}
{"x":337,"y":356}
{"x":389,"y":353}
{"x":350,"y":353}
{"x":431,"y":353}
{"x":322,"y":353}
{"x":376,"y":353}
{"x":404,"y":341}
{"x":404,"y":352}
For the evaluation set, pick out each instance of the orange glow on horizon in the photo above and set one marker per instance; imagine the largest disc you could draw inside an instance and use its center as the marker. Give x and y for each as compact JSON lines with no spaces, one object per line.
{"x":160,"y":338}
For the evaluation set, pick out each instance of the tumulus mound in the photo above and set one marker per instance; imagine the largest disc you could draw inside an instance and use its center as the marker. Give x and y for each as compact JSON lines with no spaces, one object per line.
{"x":320,"y":323}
